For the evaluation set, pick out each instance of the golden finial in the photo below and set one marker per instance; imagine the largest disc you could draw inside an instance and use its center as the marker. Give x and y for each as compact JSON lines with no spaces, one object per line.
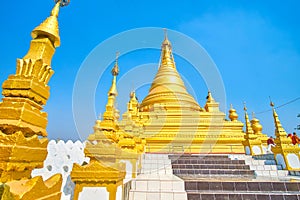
{"x":167,"y":58}
{"x":115,"y":70}
{"x":132,"y":95}
{"x":271,"y":102}
{"x":209,"y":97}
{"x":233,"y":116}
{"x":62,"y":2}
{"x":166,"y":39}
{"x":49,"y":27}
{"x":245,"y":107}
{"x":55,"y":10}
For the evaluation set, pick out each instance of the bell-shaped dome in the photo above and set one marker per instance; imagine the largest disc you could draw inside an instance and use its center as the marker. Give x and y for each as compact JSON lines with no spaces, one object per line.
{"x":167,"y":87}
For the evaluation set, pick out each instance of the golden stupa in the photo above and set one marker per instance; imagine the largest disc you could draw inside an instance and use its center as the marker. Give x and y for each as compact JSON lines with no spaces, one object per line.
{"x":173,"y":121}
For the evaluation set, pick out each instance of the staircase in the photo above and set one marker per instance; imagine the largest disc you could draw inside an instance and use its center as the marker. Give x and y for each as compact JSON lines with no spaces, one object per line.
{"x":218,"y":177}
{"x":156,"y":181}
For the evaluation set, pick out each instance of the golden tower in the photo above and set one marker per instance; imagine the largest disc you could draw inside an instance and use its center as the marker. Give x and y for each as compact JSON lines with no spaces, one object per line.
{"x":23,"y":124}
{"x":285,"y":154}
{"x":26,"y":92}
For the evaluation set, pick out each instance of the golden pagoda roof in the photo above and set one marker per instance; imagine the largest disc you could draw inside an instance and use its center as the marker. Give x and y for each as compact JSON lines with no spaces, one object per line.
{"x":167,"y":87}
{"x":49,"y":27}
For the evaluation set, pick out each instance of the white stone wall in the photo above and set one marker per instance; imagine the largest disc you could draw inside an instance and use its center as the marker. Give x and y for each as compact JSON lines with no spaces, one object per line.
{"x":60,"y":159}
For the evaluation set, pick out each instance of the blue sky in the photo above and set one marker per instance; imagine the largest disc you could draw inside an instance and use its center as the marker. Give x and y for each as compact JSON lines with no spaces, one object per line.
{"x":254,"y":44}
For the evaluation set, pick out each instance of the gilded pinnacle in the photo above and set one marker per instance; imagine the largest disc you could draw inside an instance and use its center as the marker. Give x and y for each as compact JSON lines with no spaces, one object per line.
{"x":209,"y":97}
{"x":49,"y":27}
{"x":166,"y":40}
{"x":245,"y":107}
{"x":132,"y":95}
{"x":115,"y":70}
{"x":55,"y":10}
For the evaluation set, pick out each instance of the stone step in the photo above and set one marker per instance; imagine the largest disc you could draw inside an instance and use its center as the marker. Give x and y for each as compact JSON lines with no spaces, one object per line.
{"x":202,"y":161}
{"x":236,"y":177}
{"x":249,"y":186}
{"x":210,"y":166}
{"x":215,"y":195}
{"x":264,"y":157}
{"x":157,"y":187}
{"x":237,"y":172}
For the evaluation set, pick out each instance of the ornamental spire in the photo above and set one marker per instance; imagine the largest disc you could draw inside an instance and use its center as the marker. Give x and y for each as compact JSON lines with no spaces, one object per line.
{"x":167,"y":58}
{"x":279,"y":129}
{"x":111,"y":114}
{"x":49,"y":27}
{"x":115,"y":72}
{"x":249,"y":129}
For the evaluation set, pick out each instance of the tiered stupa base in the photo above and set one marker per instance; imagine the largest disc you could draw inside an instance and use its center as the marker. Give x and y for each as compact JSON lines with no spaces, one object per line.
{"x":192,"y":132}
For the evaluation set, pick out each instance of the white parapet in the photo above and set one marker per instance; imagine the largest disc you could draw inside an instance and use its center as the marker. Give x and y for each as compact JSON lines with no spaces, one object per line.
{"x":261,"y":167}
{"x":60,"y":159}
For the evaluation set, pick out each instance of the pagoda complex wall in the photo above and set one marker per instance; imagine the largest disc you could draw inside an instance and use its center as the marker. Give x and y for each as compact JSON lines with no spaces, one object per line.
{"x":60,"y":159}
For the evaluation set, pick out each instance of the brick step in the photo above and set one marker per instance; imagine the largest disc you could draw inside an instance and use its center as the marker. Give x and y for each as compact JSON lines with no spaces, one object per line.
{"x":250,"y":186}
{"x":204,"y":158}
{"x":215,"y":195}
{"x":213,"y":171}
{"x":199,"y":156}
{"x":227,"y":161}
{"x":210,"y":166}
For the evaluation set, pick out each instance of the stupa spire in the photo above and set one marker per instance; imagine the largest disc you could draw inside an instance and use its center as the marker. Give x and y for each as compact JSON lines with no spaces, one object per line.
{"x":45,"y":37}
{"x":111,"y":114}
{"x":49,"y":27}
{"x":167,"y":58}
{"x":167,"y":87}
{"x":115,"y":72}
{"x":279,"y":129}
{"x":249,"y":129}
